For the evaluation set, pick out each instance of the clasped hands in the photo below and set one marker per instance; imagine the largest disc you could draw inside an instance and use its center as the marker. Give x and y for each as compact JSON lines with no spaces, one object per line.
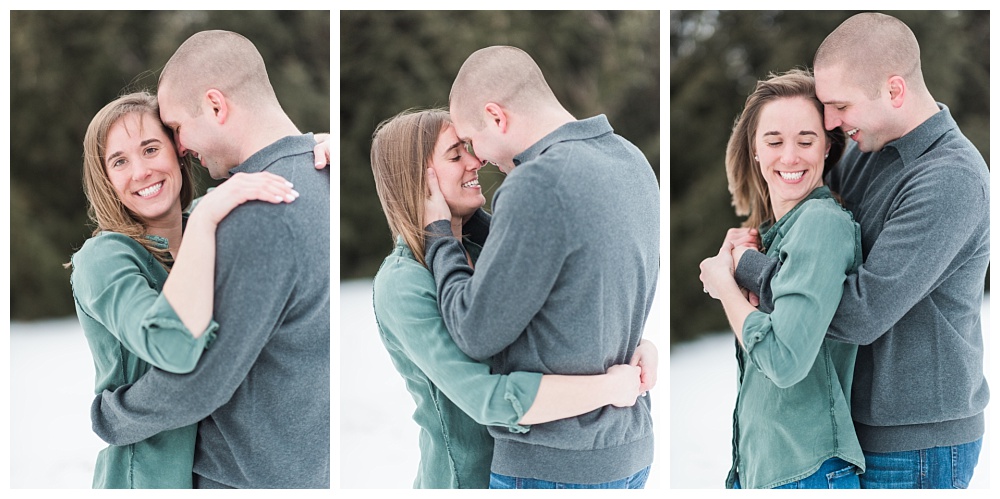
{"x":717,"y":272}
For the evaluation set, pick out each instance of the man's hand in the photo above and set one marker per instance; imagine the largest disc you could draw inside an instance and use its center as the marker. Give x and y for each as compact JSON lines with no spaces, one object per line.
{"x":646,"y":358}
{"x":435,"y":206}
{"x":321,"y":153}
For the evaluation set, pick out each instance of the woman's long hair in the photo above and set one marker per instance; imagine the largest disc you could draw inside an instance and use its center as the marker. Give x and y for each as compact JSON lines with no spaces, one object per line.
{"x":401,"y":150}
{"x":106,"y":211}
{"x":746,"y":182}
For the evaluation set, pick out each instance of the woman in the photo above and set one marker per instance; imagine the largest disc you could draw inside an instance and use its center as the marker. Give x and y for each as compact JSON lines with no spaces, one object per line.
{"x":792,"y":423}
{"x":142,"y":295}
{"x":455,"y":395}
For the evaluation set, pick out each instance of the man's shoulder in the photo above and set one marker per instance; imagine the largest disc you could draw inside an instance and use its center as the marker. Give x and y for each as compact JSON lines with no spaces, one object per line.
{"x":957,"y":152}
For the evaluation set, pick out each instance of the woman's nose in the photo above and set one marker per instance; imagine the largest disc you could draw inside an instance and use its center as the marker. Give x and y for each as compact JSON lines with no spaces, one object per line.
{"x":789,"y":155}
{"x":475,"y":163}
{"x":140,"y":170}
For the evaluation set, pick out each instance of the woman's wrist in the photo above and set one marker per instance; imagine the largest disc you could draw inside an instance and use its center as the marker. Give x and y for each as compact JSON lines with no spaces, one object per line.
{"x":201,"y":220}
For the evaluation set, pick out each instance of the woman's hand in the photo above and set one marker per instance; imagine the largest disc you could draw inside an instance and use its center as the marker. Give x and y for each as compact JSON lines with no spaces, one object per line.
{"x":435,"y":207}
{"x":717,"y":272}
{"x":646,"y":357}
{"x":747,"y":237}
{"x":321,"y":153}
{"x":627,"y":384}
{"x":240,"y":188}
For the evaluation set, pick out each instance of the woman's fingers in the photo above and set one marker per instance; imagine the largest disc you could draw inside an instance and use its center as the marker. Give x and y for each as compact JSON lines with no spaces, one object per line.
{"x":435,"y":206}
{"x":321,"y":153}
{"x":261,"y":186}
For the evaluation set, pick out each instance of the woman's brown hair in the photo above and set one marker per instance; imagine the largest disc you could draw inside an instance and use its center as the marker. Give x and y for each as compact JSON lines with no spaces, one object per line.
{"x":746,"y":183}
{"x":401,"y":149}
{"x":106,"y":211}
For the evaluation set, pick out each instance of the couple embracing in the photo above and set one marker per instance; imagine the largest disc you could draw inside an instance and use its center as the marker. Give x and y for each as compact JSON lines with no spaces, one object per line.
{"x":208,"y":319}
{"x":519,"y":333}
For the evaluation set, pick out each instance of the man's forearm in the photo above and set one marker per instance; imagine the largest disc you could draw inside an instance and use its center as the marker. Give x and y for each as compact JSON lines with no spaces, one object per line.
{"x":754,"y":273}
{"x":123,"y":417}
{"x":446,"y":260}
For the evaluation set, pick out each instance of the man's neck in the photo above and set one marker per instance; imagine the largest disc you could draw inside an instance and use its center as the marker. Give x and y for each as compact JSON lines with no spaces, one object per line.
{"x":543,"y":124}
{"x":266,"y":129}
{"x":924,"y":108}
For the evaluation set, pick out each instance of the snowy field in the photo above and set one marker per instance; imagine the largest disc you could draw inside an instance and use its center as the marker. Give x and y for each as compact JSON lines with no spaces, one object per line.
{"x":51,"y":383}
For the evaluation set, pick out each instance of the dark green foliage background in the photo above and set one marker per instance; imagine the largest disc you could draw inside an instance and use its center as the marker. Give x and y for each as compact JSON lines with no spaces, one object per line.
{"x":596,"y":63}
{"x":715,"y":60}
{"x":65,"y":66}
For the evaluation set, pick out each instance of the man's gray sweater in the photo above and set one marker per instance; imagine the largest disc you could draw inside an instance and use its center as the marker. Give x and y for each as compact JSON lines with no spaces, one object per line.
{"x":563,"y":285}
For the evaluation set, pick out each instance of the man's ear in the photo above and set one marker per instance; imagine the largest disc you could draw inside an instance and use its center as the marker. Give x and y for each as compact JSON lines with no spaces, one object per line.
{"x":215,"y":102}
{"x":497,"y":116}
{"x":897,"y":91}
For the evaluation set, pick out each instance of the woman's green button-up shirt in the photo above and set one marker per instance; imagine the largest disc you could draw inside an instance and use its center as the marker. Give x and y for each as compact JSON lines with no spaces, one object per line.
{"x":130,"y":326}
{"x":455,"y":395}
{"x":793,"y":403}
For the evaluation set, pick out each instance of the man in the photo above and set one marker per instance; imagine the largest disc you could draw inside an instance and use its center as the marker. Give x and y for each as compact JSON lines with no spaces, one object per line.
{"x":920,"y":191}
{"x":262,"y":388}
{"x":566,"y":279}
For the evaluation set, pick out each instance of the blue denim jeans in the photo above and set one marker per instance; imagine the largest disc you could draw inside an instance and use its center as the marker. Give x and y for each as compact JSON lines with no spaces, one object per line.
{"x":636,"y":481}
{"x":934,"y":468}
{"x":834,"y":473}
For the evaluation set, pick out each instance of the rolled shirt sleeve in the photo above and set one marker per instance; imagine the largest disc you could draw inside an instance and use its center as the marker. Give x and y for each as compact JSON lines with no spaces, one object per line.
{"x":410,"y":323}
{"x":110,"y":288}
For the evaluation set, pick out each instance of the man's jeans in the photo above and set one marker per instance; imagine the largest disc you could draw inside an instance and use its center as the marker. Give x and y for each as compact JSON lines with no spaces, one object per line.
{"x":935,"y":468}
{"x":834,"y":473}
{"x":636,"y":481}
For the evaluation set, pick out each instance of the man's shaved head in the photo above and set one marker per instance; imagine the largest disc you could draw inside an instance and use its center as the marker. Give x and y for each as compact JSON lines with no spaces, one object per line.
{"x":221,"y":60}
{"x":871,"y":47}
{"x":504,"y":75}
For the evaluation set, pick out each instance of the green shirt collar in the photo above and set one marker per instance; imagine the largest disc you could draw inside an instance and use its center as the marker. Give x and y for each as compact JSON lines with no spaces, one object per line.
{"x":769,"y":231}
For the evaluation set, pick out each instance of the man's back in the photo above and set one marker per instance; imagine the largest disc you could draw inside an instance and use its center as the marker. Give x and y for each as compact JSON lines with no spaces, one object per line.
{"x":564,"y":285}
{"x":273,"y":268}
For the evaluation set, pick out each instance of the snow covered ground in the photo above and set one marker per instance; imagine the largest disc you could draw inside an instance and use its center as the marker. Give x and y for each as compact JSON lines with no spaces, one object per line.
{"x":374,"y":439}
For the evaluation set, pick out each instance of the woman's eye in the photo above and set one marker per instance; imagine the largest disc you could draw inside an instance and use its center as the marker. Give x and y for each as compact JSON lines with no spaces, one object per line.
{"x":773,"y":144}
{"x":805,"y":144}
{"x":456,"y":158}
{"x":118,"y":162}
{"x":151,"y":150}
